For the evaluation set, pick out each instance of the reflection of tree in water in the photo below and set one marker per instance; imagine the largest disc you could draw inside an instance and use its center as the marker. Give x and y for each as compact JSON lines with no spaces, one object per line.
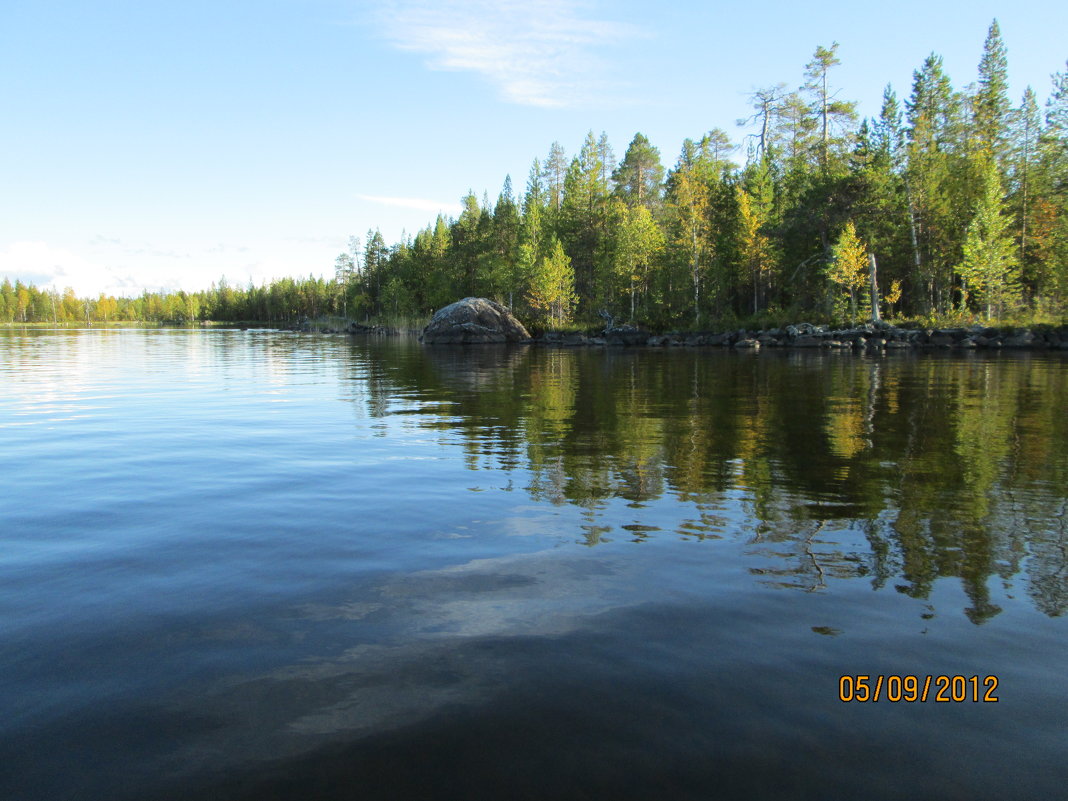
{"x":940,"y":467}
{"x":809,"y":561}
{"x":1048,"y":565}
{"x":885,"y":561}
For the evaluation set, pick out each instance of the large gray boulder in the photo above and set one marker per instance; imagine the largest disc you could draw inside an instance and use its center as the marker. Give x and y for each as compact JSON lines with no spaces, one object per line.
{"x":473,"y":321}
{"x":626,"y":335}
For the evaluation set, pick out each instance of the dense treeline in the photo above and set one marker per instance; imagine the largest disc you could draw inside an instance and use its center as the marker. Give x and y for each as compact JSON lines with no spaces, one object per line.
{"x":957,"y":200}
{"x":281,"y":301}
{"x":953,"y":202}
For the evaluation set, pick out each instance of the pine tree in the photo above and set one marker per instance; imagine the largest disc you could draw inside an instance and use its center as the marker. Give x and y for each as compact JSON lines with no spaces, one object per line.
{"x":766,"y":104}
{"x":344,"y":275}
{"x":794,"y":136}
{"x":640,"y":174}
{"x":374,"y":267}
{"x":603,"y":273}
{"x":715,"y":146}
{"x":829,"y":111}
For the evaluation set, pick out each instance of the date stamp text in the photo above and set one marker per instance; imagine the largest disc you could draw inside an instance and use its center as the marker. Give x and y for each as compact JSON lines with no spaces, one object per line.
{"x":917,"y":689}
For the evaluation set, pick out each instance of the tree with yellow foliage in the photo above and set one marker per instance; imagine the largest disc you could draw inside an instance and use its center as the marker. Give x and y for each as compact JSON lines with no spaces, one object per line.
{"x":848,"y":273}
{"x":552,"y":286}
{"x":757,"y":252}
{"x":640,"y":241}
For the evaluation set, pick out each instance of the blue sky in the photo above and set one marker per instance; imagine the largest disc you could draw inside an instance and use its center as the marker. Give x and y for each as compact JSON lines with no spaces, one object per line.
{"x":156,"y":146}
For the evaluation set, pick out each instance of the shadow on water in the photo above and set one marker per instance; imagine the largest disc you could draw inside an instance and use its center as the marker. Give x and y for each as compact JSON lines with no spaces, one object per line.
{"x":744,"y":711}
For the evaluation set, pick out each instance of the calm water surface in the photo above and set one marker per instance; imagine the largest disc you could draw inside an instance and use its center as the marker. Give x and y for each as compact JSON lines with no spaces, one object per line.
{"x":262,"y":565}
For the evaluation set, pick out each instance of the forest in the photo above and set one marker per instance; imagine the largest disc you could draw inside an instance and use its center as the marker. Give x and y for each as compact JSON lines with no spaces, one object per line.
{"x":951,"y":204}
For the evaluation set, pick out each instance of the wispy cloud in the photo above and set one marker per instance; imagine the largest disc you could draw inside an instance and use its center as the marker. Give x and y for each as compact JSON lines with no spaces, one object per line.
{"x":536,"y":52}
{"x":417,"y":203}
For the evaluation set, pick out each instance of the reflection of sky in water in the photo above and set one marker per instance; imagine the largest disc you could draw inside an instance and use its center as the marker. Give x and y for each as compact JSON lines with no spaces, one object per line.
{"x":232,"y":550}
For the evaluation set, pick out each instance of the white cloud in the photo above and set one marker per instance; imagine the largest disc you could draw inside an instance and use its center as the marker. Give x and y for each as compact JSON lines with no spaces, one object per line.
{"x":536,"y":52}
{"x":126,"y":267}
{"x":45,"y":265}
{"x":417,"y":203}
{"x":101,"y":264}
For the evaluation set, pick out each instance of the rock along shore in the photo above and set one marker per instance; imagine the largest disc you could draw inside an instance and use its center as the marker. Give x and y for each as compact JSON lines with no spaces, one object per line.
{"x":868,"y":337}
{"x":474,"y":321}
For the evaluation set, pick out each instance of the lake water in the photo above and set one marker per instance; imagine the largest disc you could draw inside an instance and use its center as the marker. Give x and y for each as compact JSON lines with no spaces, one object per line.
{"x":265,"y":565}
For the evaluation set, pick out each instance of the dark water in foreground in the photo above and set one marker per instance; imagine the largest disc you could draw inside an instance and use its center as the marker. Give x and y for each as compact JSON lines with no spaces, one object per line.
{"x":254,"y":565}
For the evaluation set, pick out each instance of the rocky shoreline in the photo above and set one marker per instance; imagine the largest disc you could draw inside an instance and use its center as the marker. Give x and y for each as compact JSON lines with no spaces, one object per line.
{"x":479,"y":321}
{"x":877,"y":336}
{"x":866,"y":338}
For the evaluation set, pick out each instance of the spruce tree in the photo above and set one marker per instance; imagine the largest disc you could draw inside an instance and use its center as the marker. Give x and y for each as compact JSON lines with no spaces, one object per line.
{"x":880,"y":206}
{"x":503,"y":244}
{"x":992,"y":104}
{"x":534,"y":208}
{"x":555,"y":170}
{"x":465,"y":249}
{"x":933,"y":161}
{"x":581,"y":221}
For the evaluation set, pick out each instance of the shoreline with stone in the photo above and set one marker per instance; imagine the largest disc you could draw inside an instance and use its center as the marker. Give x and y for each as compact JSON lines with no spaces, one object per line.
{"x":866,"y":338}
{"x":873,"y":336}
{"x":480,"y":321}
